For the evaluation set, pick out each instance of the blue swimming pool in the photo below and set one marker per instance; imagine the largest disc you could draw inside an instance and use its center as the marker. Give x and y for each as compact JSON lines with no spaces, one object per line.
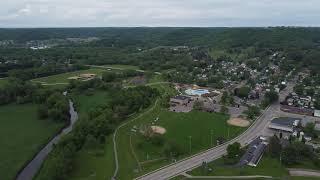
{"x":196,"y":92}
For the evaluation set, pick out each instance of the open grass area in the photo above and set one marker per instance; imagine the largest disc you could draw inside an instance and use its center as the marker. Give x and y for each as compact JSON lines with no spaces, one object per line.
{"x":85,"y":102}
{"x":22,"y":134}
{"x":305,"y":164}
{"x":92,"y":167}
{"x":138,"y":156}
{"x":3,"y":81}
{"x":63,"y":78}
{"x":268,"y":167}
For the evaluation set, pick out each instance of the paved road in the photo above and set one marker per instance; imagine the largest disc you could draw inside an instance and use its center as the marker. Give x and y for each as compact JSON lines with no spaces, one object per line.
{"x":231,"y":177}
{"x":35,"y":164}
{"x":304,"y":172}
{"x":255,"y":130}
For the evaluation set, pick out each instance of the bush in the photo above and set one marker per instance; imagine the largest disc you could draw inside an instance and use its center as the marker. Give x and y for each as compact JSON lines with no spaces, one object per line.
{"x":172,"y":149}
{"x":157,"y":140}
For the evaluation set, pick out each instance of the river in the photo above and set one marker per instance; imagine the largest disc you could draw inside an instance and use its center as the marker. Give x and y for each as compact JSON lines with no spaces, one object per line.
{"x":35,"y":164}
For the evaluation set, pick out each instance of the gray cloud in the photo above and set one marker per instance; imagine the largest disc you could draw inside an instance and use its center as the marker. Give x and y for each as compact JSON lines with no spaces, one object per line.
{"x":68,"y":13}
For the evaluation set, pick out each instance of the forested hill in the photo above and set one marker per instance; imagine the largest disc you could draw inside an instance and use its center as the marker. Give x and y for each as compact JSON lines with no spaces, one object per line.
{"x":119,"y":45}
{"x":218,"y":37}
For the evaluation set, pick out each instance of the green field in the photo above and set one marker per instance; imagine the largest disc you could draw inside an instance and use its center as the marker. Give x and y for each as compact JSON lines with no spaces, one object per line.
{"x":134,"y":150}
{"x":91,"y":167}
{"x":22,"y":134}
{"x":137,"y":156}
{"x":63,"y":78}
{"x":85,"y":102}
{"x":3,"y":81}
{"x":267,"y":167}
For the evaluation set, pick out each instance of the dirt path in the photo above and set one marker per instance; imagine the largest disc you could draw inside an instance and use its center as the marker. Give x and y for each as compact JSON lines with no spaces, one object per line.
{"x":115,"y":136}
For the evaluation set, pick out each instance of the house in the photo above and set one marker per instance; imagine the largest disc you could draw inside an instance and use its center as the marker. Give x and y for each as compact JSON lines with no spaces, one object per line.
{"x":180,"y":100}
{"x":316,"y":113}
{"x":254,"y":152}
{"x":286,"y":124}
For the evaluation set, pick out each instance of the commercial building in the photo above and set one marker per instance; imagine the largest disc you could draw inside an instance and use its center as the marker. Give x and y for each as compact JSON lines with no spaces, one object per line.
{"x":286,"y":124}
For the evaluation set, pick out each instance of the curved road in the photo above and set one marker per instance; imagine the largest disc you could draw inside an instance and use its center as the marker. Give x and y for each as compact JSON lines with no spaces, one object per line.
{"x":34,"y":165}
{"x":255,"y":130}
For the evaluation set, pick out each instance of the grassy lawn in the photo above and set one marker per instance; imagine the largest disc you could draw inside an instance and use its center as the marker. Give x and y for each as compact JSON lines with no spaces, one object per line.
{"x":267,"y":167}
{"x":85,"y":102}
{"x":3,"y":81}
{"x":305,"y":164}
{"x":63,"y":78}
{"x":179,"y":127}
{"x":91,"y":167}
{"x":21,"y":136}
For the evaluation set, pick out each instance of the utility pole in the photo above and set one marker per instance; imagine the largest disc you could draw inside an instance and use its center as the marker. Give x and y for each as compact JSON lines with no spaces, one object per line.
{"x":211,"y":138}
{"x":228,"y":132}
{"x":190,"y":137}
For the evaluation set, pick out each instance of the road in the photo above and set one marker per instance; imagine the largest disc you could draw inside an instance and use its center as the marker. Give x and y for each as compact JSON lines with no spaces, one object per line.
{"x":32,"y":168}
{"x":256,"y":129}
{"x":304,"y":172}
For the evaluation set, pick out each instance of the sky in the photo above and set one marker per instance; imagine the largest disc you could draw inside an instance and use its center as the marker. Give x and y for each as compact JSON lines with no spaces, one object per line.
{"x":154,"y":13}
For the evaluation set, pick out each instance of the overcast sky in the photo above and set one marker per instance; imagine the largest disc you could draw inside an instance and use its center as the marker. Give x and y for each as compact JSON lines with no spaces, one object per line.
{"x":204,"y":13}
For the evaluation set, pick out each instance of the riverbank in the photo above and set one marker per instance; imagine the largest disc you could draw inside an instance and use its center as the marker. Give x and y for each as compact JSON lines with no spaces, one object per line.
{"x":32,"y":168}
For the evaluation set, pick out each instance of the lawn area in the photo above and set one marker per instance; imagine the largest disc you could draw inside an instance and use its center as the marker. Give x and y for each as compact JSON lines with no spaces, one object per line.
{"x":138,"y":156}
{"x":268,"y":167}
{"x":22,"y":134}
{"x":305,"y":164}
{"x":3,"y":81}
{"x":63,"y":78}
{"x":91,"y":167}
{"x":85,"y":102}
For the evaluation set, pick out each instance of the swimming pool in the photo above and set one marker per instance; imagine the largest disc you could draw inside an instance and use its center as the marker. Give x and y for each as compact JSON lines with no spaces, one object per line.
{"x":196,"y":92}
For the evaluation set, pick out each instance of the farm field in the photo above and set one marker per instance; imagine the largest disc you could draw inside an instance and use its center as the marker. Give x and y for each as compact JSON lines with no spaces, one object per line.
{"x":268,"y":167}
{"x":138,"y":156}
{"x":63,"y":78}
{"x":17,"y":148}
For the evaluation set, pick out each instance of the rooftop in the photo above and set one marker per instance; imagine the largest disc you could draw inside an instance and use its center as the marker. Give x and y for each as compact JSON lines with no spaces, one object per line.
{"x":286,"y":121}
{"x":181,"y":97}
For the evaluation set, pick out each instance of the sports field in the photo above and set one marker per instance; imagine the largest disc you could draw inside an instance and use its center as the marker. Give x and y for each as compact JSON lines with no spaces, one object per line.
{"x":22,"y":134}
{"x":138,"y":156}
{"x":198,"y":129}
{"x":63,"y":78}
